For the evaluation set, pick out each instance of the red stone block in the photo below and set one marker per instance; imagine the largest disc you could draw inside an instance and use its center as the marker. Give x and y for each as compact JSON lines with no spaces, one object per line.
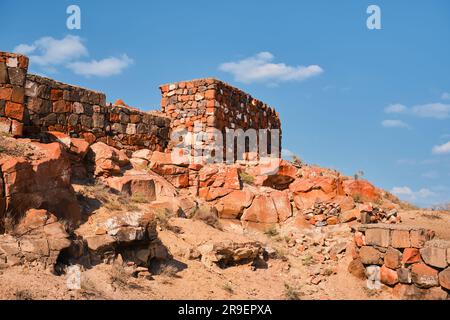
{"x":61,"y":106}
{"x":14,"y":110}
{"x":16,"y":128}
{"x":17,"y":94}
{"x":411,"y":255}
{"x":5,"y":94}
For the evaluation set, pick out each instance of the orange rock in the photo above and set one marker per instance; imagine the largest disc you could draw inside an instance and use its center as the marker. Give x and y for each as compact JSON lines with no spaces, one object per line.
{"x":362,"y":189}
{"x":360,"y":239}
{"x":232,"y":205}
{"x":388,"y":276}
{"x":282,"y":204}
{"x":262,"y":210}
{"x":424,"y":276}
{"x":14,"y":110}
{"x":411,"y":255}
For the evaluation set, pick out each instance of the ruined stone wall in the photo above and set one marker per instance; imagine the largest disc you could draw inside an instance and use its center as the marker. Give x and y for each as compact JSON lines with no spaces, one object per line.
{"x":213,"y":104}
{"x":55,"y":106}
{"x":405,"y":258}
{"x":13,"y":71}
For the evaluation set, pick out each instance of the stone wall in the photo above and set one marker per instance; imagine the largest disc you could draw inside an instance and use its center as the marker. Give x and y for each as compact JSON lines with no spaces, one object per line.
{"x":31,"y":105}
{"x":55,"y":106}
{"x":13,"y":71}
{"x":213,"y":104}
{"x":405,"y":258}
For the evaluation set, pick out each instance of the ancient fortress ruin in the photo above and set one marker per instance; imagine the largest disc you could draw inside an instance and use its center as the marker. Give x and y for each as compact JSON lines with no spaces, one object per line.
{"x":31,"y":104}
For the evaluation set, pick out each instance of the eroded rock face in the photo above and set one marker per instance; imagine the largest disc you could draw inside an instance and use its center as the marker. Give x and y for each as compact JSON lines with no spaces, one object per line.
{"x":38,"y":237}
{"x":132,"y":234}
{"x":41,"y":180}
{"x":229,"y":253}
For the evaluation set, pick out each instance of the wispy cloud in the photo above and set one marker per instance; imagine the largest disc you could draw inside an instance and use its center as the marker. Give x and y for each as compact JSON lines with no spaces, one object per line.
{"x":408,"y":194}
{"x":103,"y":68}
{"x":395,"y":108}
{"x":394,"y":124}
{"x":49,"y":53}
{"x":445,"y":96}
{"x":432,"y":110}
{"x":260,"y":68}
{"x":442,"y":149}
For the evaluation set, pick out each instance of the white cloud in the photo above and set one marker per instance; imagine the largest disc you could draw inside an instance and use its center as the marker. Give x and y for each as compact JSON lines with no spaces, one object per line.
{"x":48,"y":51}
{"x":430,"y":175}
{"x":259,"y":68}
{"x":408,"y":194}
{"x":432,"y":110}
{"x":395,"y":108}
{"x":103,"y":68}
{"x":445,"y":96}
{"x":442,"y":149}
{"x":394,"y":124}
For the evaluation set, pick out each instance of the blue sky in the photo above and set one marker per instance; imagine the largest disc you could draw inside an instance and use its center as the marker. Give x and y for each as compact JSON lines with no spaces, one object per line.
{"x":336,"y":111}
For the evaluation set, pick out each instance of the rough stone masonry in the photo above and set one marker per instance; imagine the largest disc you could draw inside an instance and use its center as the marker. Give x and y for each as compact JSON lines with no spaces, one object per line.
{"x":31,"y":105}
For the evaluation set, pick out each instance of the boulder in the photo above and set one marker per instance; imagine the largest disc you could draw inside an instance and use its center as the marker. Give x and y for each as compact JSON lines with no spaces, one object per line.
{"x":361,"y":189}
{"x":424,"y":276}
{"x":228,"y":253}
{"x":37,"y":237}
{"x":107,"y":160}
{"x":262,"y":210}
{"x":392,"y":258}
{"x":444,"y":278}
{"x":435,"y":253}
{"x":411,"y":255}
{"x":388,"y":276}
{"x":132,"y":234}
{"x":40,"y":181}
{"x":370,"y":256}
{"x":356,"y":268}
{"x":232,"y":205}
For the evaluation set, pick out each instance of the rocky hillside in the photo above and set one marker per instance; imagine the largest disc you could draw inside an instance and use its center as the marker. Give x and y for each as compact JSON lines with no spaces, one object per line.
{"x":137,"y":225}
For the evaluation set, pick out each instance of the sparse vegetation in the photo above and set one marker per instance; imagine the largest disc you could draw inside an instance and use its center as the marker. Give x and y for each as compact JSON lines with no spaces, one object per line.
{"x":208,"y":215}
{"x":8,"y":222}
{"x":246,"y":178}
{"x":23,"y":295}
{"x":169,"y":271}
{"x":297,"y":161}
{"x":271,"y":232}
{"x":308,"y":260}
{"x":291,"y":293}
{"x":228,"y":288}
{"x":358,"y":175}
{"x":432,"y":216}
{"x":328,"y":272}
{"x":118,"y":275}
{"x":357,"y":198}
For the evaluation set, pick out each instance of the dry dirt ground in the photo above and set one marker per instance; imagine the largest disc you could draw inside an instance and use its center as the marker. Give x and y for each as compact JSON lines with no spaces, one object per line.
{"x":285,"y":277}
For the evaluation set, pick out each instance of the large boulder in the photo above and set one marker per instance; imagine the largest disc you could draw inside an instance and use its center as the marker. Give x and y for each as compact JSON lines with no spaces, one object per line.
{"x":232,"y":205}
{"x":131,"y":234}
{"x":106,"y":159}
{"x":37,"y":237}
{"x":361,"y":190}
{"x":40,"y":180}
